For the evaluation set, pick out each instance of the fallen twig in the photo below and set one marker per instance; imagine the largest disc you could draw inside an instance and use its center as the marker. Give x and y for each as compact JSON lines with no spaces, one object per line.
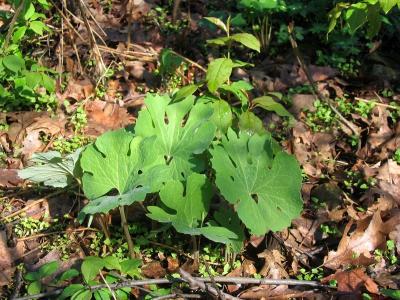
{"x":195,"y":282}
{"x":218,"y":279}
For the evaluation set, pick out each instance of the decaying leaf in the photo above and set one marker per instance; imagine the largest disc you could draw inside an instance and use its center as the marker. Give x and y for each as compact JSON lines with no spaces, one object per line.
{"x":356,"y":248}
{"x":9,"y":178}
{"x":353,"y":282}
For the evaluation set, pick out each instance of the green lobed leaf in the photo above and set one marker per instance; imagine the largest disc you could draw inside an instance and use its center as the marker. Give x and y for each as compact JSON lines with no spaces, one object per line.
{"x":52,"y":169}
{"x":118,"y":160}
{"x":218,"y":72}
{"x":177,"y":142}
{"x":248,"y":40}
{"x":263,"y":183}
{"x":191,"y":204}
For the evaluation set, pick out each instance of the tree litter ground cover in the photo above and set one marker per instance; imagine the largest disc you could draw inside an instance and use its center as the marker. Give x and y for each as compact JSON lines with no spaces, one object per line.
{"x":155,"y":149}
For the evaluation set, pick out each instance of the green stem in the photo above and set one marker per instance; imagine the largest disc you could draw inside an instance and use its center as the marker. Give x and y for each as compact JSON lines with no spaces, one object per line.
{"x":125,"y":227}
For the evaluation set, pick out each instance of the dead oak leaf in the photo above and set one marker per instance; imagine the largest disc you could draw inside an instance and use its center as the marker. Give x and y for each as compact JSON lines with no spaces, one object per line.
{"x":104,"y":116}
{"x":356,"y":248}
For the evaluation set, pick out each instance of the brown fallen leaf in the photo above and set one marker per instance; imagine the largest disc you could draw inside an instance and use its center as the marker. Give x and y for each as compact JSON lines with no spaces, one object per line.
{"x":78,"y":89}
{"x":352,"y":282}
{"x":273,"y":264}
{"x":301,"y":102}
{"x":9,"y":178}
{"x":356,"y":248}
{"x":103,"y":116}
{"x":44,"y":125}
{"x":153,"y":270}
{"x":389,"y":179}
{"x":7,"y":257}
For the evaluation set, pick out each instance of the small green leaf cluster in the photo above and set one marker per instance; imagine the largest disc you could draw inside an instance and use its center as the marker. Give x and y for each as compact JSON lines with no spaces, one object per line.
{"x":92,"y":267}
{"x":396,"y":156}
{"x":360,"y":13}
{"x":389,"y":254}
{"x":28,"y":226}
{"x":24,"y":84}
{"x":92,"y":270}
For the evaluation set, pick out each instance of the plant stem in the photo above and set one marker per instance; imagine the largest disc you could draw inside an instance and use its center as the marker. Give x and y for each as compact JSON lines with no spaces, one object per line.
{"x":125,"y":227}
{"x":196,"y":252}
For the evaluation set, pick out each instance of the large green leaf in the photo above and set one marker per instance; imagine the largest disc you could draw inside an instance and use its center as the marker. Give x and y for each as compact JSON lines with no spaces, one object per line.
{"x":248,"y":40}
{"x":218,"y":72}
{"x":268,"y":103}
{"x":177,"y":142}
{"x":52,"y":169}
{"x":117,"y":161}
{"x":262,"y":182}
{"x":14,"y":63}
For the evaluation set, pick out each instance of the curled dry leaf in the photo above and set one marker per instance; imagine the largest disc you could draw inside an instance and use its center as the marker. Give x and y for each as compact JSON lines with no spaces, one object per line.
{"x":356,"y":248}
{"x":41,"y":126}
